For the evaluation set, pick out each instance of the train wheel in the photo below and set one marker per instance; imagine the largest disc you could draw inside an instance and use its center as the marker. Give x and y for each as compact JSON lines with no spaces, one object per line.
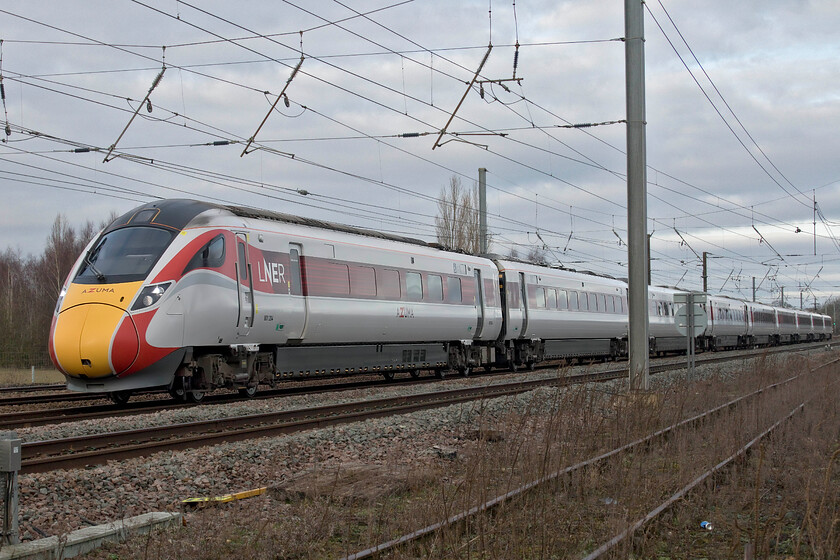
{"x":195,"y":396}
{"x":119,"y":397}
{"x":440,"y":373}
{"x":248,"y":392}
{"x":513,"y":366}
{"x":388,"y":375}
{"x":415,"y":373}
{"x":465,"y":371}
{"x":531,"y":366}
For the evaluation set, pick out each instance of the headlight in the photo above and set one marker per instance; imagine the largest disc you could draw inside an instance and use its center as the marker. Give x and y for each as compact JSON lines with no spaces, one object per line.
{"x":60,"y":299}
{"x":150,"y":296}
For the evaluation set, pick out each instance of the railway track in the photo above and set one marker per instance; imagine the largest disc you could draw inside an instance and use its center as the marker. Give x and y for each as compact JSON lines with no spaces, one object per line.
{"x":29,"y":418}
{"x":32,"y":388}
{"x":652,"y":445}
{"x":76,"y":452}
{"x":80,"y":451}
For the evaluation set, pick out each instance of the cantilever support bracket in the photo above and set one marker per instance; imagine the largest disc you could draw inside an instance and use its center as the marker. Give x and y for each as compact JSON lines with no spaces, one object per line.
{"x":279,"y":97}
{"x":145,"y":102}
{"x":469,"y":87}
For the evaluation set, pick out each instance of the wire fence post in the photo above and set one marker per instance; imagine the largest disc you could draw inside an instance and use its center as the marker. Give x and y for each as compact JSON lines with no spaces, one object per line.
{"x":10,"y":465}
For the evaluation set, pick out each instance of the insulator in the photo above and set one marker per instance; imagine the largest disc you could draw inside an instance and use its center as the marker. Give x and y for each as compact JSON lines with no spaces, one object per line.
{"x":481,"y":90}
{"x":515,"y":59}
{"x":3,"y":92}
{"x":148,"y":105}
{"x":221,"y":142}
{"x":8,"y":130}
{"x":410,"y":135}
{"x":81,"y":150}
{"x":286,"y":100}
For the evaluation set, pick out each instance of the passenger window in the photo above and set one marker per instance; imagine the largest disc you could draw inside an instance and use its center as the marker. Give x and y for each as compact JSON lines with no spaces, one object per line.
{"x":414,"y":286}
{"x":362,"y":281}
{"x":453,"y":290}
{"x":434,"y":285}
{"x":574,"y":302}
{"x":562,"y":302}
{"x":552,"y":298}
{"x":540,"y":296}
{"x":212,"y":255}
{"x":388,"y":285}
{"x":584,"y":301}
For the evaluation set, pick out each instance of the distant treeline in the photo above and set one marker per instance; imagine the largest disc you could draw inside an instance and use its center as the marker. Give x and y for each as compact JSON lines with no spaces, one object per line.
{"x":29,"y":288}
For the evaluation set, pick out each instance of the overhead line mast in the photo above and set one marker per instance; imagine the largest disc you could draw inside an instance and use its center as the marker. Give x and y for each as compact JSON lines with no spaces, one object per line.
{"x":634,"y":57}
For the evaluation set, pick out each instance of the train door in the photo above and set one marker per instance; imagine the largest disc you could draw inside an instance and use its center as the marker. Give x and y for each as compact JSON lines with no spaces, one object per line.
{"x":479,"y":304}
{"x":300,"y":305}
{"x":244,"y":286}
{"x":523,"y":303}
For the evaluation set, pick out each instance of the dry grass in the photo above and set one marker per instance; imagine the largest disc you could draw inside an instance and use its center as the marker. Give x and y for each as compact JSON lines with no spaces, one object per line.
{"x":782,"y":500}
{"x":19,"y":377}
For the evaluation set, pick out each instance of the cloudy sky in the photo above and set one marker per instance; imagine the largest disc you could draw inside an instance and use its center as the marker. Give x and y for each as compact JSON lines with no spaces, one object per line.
{"x":743,"y":123}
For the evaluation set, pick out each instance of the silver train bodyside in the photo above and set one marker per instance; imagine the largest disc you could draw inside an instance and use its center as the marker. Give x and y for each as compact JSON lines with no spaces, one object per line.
{"x":194,"y":296}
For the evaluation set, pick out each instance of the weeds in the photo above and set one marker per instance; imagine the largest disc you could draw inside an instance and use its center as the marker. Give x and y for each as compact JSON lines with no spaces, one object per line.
{"x":784,"y":499}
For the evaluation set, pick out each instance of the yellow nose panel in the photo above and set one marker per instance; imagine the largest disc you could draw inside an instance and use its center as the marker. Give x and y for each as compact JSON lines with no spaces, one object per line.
{"x":83,"y":338}
{"x":118,"y":295}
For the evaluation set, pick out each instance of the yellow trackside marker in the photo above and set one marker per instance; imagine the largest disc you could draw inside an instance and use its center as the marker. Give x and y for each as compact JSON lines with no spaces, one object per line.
{"x":194,"y":503}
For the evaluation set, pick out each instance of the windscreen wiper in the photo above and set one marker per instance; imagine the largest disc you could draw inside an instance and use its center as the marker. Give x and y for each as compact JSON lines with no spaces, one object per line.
{"x":89,"y":261}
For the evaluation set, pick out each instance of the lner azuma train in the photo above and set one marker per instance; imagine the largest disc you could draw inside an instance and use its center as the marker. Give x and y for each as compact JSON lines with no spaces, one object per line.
{"x":192,"y":296}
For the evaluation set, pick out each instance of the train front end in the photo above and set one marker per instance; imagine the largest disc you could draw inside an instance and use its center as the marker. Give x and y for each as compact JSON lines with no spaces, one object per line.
{"x":98,"y":337}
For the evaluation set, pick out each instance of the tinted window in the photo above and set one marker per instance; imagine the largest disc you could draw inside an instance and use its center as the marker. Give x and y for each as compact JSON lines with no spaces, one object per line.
{"x":561,"y":300}
{"x":540,"y":297}
{"x":212,"y":255}
{"x":389,"y":283}
{"x":124,"y":255}
{"x":453,"y":289}
{"x":413,"y":286}
{"x":362,"y":281}
{"x":434,"y":287}
{"x":573,"y":301}
{"x":552,"y":298}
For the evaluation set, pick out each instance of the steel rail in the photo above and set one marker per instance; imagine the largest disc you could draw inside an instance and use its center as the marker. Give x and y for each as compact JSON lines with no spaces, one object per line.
{"x":32,"y":388}
{"x":491,"y":504}
{"x":17,"y":419}
{"x":36,"y":455}
{"x":30,"y":418}
{"x":651,"y":515}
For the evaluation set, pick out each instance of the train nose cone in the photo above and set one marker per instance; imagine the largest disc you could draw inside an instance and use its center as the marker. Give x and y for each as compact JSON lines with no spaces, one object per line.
{"x":95,"y":340}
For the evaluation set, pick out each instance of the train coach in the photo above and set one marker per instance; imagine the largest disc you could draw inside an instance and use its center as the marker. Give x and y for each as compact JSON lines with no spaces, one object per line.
{"x":192,"y":296}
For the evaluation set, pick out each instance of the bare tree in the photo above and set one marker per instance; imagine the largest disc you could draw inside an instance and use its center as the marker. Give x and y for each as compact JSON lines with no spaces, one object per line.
{"x":457,"y":222}
{"x":537,"y":256}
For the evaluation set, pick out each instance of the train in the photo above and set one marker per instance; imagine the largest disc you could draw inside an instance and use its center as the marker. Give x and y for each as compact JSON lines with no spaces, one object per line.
{"x":191,"y":296}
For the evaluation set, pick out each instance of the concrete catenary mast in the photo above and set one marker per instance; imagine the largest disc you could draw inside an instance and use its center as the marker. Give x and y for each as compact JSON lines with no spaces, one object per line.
{"x":634,"y":56}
